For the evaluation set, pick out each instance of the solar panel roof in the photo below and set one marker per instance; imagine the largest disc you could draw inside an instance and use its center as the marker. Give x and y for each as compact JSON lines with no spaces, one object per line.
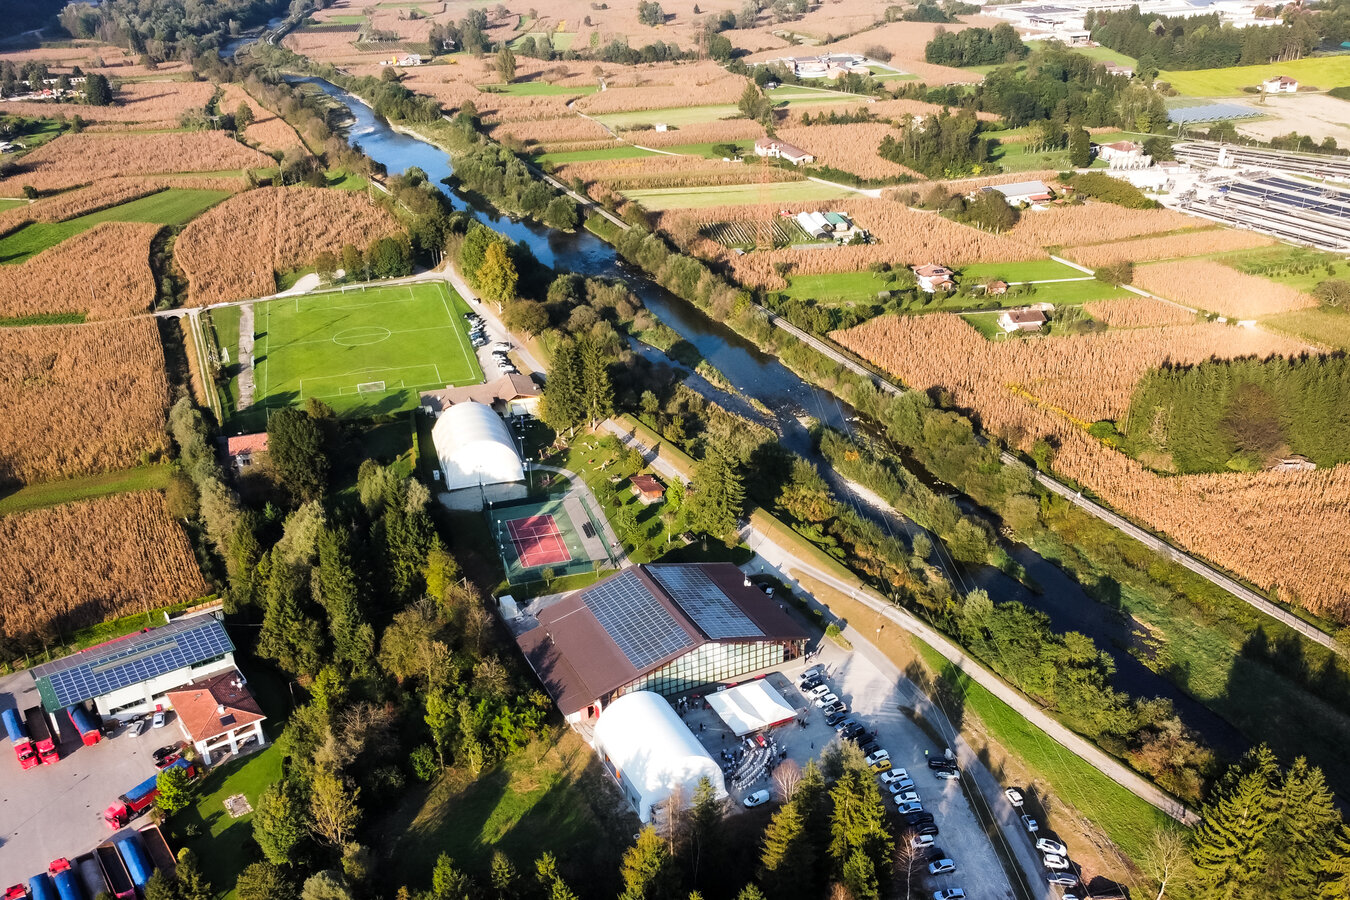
{"x":1211,"y":112}
{"x":634,"y":618}
{"x":102,"y":670}
{"x":704,"y":602}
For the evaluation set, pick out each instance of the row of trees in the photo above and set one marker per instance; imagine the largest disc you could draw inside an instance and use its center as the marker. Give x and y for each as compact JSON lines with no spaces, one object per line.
{"x":943,"y":146}
{"x":1201,"y":42}
{"x":976,"y":47}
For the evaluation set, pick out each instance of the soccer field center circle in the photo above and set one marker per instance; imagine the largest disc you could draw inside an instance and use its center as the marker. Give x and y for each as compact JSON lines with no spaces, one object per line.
{"x":362,"y":336}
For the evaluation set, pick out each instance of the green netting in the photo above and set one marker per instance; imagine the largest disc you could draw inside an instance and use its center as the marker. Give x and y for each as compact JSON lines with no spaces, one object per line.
{"x":516,"y":535}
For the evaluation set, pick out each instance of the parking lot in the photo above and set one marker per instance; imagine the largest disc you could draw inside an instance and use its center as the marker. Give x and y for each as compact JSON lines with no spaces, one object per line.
{"x":57,"y":810}
{"x":494,"y":334}
{"x":875,"y":701}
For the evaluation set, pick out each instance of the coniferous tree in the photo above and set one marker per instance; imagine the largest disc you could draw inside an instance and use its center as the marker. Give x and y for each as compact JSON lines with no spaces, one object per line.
{"x":288,"y":635}
{"x":336,"y":588}
{"x":597,"y":385}
{"x":1302,"y":841}
{"x":1230,"y":844}
{"x":787,"y":860}
{"x":648,"y":869}
{"x":295,"y":451}
{"x":705,"y":830}
{"x":858,"y":825}
{"x":718,"y":498}
{"x":192,"y":884}
{"x":1334,"y":876}
{"x":564,"y":392}
{"x":1080,"y":147}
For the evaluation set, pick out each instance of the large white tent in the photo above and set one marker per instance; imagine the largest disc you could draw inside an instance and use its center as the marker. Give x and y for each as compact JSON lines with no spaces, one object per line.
{"x":652,"y":753}
{"x":752,"y":706}
{"x":475,"y":449}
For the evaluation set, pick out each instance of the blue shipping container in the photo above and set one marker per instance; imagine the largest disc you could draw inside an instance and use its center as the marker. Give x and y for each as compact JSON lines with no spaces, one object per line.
{"x":83,"y":721}
{"x":68,"y":885}
{"x":133,"y":854}
{"x":14,"y":726}
{"x":41,"y":887}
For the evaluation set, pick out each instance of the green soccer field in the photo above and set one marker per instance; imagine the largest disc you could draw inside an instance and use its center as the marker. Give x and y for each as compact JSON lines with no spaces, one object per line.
{"x":362,"y":352}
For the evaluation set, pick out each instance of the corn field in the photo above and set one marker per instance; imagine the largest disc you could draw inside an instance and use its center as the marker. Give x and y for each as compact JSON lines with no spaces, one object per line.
{"x":849,"y":148}
{"x":663,"y":86}
{"x":77,"y":399}
{"x":80,"y":158}
{"x":288,"y":228}
{"x":549,"y":132}
{"x":79,"y":564}
{"x":268,"y":130}
{"x":103,"y":272}
{"x":1215,"y":287}
{"x":1257,"y":525}
{"x":716,"y":132}
{"x":669,"y":171}
{"x":1137,"y":312}
{"x":1097,"y":223}
{"x":147,"y":104}
{"x":1195,"y":243}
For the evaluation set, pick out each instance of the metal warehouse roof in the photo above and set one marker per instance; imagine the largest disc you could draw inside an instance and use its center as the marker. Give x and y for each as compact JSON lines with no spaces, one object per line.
{"x":109,"y":667}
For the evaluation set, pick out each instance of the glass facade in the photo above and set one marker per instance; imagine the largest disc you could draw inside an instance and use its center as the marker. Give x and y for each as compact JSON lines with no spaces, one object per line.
{"x":714,"y":662}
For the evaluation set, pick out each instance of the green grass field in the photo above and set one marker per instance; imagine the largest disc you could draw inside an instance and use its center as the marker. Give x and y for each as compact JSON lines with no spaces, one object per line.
{"x":1031,"y":270}
{"x":736,"y":194}
{"x":172,"y":207}
{"x":55,"y":493}
{"x":11,"y":203}
{"x":1315,"y":71}
{"x":561,"y":40}
{"x":536,"y":89}
{"x":706,"y":148}
{"x":362,"y":352}
{"x":783,"y":98}
{"x":837,"y":287}
{"x":1070,"y":293}
{"x":345,"y":20}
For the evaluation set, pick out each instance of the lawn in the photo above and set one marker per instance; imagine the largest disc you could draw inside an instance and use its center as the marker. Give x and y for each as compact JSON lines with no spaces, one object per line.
{"x":1127,"y":820}
{"x":362,"y":351}
{"x":552,"y":796}
{"x":986,"y":323}
{"x":344,"y":20}
{"x":222,"y":844}
{"x":536,"y":89}
{"x":11,"y":203}
{"x":54,"y":493}
{"x":1031,"y":270}
{"x":1068,"y":293}
{"x":1323,"y":326}
{"x":1316,"y":71}
{"x":736,"y":195}
{"x":706,"y":149}
{"x":598,"y":461}
{"x":172,"y":207}
{"x":561,"y":40}
{"x":783,"y":98}
{"x":619,"y":151}
{"x":225,"y":323}
{"x":837,"y":287}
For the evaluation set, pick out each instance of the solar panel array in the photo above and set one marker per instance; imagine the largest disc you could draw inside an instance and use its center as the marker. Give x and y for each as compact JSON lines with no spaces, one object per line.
{"x":635,"y":620}
{"x":95,"y":673}
{"x":1211,"y":112}
{"x":705,"y":602}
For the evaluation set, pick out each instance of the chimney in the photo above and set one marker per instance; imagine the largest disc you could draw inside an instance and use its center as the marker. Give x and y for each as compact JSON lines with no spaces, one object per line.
{"x":220,"y":708}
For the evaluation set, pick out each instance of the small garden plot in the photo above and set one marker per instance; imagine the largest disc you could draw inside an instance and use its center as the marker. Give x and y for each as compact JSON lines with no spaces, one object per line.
{"x":745,"y":233}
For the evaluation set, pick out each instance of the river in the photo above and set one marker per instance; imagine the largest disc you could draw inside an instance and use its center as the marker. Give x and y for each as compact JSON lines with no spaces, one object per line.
{"x":789,"y":400}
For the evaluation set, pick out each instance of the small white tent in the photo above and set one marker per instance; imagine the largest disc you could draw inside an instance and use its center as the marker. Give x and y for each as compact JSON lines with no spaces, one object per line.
{"x":753,"y":706}
{"x":475,"y":448}
{"x":652,"y":753}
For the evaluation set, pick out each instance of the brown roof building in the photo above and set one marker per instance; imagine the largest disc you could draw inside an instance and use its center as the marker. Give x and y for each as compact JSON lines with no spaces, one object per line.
{"x":667,"y":628}
{"x":503,"y":394}
{"x":218,"y":713}
{"x":243,"y":447}
{"x":648,"y":489}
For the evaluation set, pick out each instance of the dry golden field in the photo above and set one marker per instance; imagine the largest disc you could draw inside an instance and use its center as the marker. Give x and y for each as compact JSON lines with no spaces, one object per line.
{"x":1098,"y":222}
{"x":913,"y":193}
{"x":103,"y":272}
{"x":898,"y":109}
{"x":553,"y":132}
{"x":1137,"y":312}
{"x":144,"y":104}
{"x":663,"y":85}
{"x":268,"y":131}
{"x":720,"y":131}
{"x":76,"y":399}
{"x":1195,"y":243}
{"x":289,"y":227}
{"x":75,"y":565}
{"x":1215,"y":287}
{"x":905,"y":40}
{"x":850,"y":148}
{"x":641,"y":172}
{"x":1256,"y":525}
{"x":80,"y":158}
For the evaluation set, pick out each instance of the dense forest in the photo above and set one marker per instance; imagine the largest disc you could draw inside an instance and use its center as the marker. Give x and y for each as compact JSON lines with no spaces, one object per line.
{"x":1201,"y":42}
{"x":1241,"y":414}
{"x":169,"y":28}
{"x":942,"y":146}
{"x":976,"y":47}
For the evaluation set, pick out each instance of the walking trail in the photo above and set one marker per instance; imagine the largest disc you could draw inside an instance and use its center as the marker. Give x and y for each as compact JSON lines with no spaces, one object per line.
{"x":245,"y":356}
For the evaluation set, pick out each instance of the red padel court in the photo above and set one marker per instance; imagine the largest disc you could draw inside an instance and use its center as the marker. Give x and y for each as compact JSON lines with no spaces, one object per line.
{"x":538,"y":540}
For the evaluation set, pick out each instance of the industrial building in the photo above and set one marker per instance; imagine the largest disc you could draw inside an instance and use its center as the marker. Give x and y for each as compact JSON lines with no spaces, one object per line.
{"x":665,"y":628}
{"x":1065,"y":20}
{"x":478,"y":457}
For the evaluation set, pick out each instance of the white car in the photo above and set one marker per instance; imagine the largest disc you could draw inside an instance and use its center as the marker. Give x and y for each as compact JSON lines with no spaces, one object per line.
{"x":1030,"y":824}
{"x":877,"y":756}
{"x":921,"y":841}
{"x":158,"y":720}
{"x":1045,"y":845}
{"x":1054,"y":862}
{"x":901,"y":785}
{"x":894,"y":775}
{"x":941,"y":867}
{"x":949,"y":894}
{"x":907,"y":797}
{"x":827,"y":698}
{"x":1014,"y":797}
{"x":819,"y":690}
{"x":947,"y":774}
{"x":905,"y":807}
{"x":503,"y":346}
{"x":758,"y":798}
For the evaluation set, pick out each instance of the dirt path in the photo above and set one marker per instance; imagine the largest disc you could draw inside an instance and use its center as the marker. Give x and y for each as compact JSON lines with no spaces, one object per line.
{"x":245,"y":356}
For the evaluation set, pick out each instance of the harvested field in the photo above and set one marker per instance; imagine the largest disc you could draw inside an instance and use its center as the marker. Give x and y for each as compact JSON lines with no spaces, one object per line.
{"x":1137,"y":312}
{"x":905,"y":40}
{"x":78,"y":399}
{"x":720,"y":131}
{"x":849,"y":148}
{"x":76,"y":565}
{"x":1196,"y":243}
{"x":904,"y":237}
{"x":668,"y":172}
{"x":1256,"y":525}
{"x":145,"y":104}
{"x":80,"y":158}
{"x":550,"y":132}
{"x":1098,"y":222}
{"x":289,"y":228}
{"x":268,"y":130}
{"x":103,"y":272}
{"x":1215,"y":287}
{"x":898,"y":109}
{"x":664,"y":86}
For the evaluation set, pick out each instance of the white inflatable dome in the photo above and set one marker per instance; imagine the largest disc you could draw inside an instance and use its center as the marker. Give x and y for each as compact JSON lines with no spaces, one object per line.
{"x":475,"y":447}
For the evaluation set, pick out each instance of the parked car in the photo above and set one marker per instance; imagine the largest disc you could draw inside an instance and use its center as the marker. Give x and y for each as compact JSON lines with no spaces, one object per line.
{"x":907,"y":797}
{"x":158,"y":720}
{"x":949,"y":894}
{"x":819,"y":690}
{"x":140,"y":726}
{"x":883,"y":765}
{"x":877,"y":757}
{"x":921,"y":841}
{"x":1054,"y":862}
{"x":833,"y":719}
{"x":917,"y":818}
{"x":941,"y":867}
{"x":166,"y":751}
{"x":1030,"y":824}
{"x":809,"y":671}
{"x":929,"y":828}
{"x":758,"y":798}
{"x":947,"y":774}
{"x":1046,"y":845}
{"x":829,"y":698}
{"x":900,"y":786}
{"x":940,"y":762}
{"x":894,"y":775}
{"x":1014,"y":797}
{"x":838,"y":706}
{"x":909,"y":806}
{"x":848,"y":730}
{"x":1064,"y":879}
{"x":811,"y":684}
{"x":503,"y":346}
{"x":869,"y":746}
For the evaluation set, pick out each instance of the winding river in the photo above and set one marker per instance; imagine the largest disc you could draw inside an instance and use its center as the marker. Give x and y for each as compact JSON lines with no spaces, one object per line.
{"x":789,"y":400}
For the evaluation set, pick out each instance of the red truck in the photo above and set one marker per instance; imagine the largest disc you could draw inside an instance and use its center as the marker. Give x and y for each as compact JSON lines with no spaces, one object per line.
{"x":85,"y":724}
{"x":18,"y":737}
{"x":141,"y":797}
{"x":40,"y":730}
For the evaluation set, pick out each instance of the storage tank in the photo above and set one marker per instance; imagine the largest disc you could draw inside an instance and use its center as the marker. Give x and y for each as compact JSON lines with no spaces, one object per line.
{"x":133,"y":854}
{"x":41,"y":887}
